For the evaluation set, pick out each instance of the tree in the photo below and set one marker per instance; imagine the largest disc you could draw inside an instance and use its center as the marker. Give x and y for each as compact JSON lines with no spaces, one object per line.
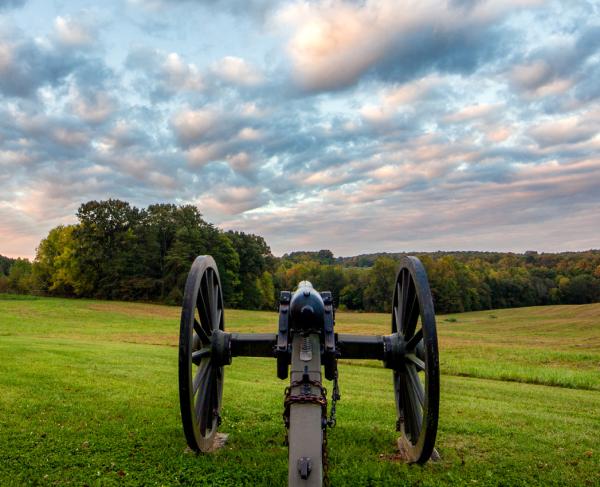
{"x":267,"y":291}
{"x":117,"y":251}
{"x":351,"y":296}
{"x":55,"y":269}
{"x":581,"y":289}
{"x":253,"y":254}
{"x":444,"y":283}
{"x":332,"y":278}
{"x":380,"y":285}
{"x":5,"y":263}
{"x":228,"y":262}
{"x":19,"y":277}
{"x":104,"y":250}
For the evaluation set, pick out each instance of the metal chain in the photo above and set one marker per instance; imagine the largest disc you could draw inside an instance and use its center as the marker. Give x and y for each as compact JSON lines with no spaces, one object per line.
{"x":335,"y":396}
{"x":303,"y":398}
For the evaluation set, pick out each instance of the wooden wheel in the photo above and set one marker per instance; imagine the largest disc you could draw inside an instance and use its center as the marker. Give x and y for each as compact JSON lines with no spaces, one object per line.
{"x":200,"y":378}
{"x":416,"y":377}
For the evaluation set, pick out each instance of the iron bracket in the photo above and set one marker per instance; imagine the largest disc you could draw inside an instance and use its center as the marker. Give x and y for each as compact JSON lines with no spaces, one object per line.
{"x":282,"y":349}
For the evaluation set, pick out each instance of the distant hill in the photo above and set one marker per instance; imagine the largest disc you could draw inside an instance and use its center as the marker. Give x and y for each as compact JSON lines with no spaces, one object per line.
{"x":548,"y":259}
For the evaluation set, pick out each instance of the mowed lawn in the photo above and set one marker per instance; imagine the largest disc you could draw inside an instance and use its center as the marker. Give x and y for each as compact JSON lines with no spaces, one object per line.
{"x":88,"y":396}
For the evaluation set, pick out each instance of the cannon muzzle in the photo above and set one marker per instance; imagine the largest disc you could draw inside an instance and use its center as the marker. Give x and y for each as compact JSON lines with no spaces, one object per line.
{"x":307,"y":310}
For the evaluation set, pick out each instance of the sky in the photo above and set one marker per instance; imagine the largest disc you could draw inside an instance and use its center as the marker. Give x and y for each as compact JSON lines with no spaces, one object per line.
{"x":355,"y":126}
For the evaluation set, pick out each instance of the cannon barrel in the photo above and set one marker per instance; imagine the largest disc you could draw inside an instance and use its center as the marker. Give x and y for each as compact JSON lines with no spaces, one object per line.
{"x":307,"y":310}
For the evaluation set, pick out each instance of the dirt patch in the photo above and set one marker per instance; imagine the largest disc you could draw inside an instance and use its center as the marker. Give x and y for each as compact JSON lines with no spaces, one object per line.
{"x":403,"y":454}
{"x":218,"y":443}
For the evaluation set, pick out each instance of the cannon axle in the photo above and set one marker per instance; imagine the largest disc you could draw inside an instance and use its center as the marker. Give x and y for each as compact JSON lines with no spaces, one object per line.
{"x":390,"y":349}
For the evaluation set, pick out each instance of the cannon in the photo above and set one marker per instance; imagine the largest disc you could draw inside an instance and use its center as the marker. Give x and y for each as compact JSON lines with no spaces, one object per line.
{"x":306,"y":348}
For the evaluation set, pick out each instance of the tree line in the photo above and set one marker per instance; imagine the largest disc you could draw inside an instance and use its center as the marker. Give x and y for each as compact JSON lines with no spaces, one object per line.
{"x":118,"y":251}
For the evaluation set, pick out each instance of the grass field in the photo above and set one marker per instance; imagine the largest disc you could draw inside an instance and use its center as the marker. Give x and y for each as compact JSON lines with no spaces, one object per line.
{"x":88,"y":396}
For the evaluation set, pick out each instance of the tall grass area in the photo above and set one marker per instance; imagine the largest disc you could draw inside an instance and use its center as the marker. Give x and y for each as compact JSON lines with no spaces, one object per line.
{"x":88,"y":396}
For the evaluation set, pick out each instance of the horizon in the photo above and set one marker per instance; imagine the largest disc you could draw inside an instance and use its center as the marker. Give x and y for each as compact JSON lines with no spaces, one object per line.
{"x":358,"y":127}
{"x":406,"y":252}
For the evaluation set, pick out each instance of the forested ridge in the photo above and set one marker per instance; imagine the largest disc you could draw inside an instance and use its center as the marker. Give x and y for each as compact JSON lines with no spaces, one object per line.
{"x":118,"y":251}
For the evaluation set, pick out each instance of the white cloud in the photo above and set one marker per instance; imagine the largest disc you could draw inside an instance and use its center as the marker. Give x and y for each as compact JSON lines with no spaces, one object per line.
{"x":567,"y":130}
{"x":6,"y":57}
{"x":237,"y":71}
{"x":474,"y":112}
{"x":181,"y":75}
{"x":191,"y":125}
{"x":73,"y":33}
{"x":96,"y":108}
{"x":334,"y":43}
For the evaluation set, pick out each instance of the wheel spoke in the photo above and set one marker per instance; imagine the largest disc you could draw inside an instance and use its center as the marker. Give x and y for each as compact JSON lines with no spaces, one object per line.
{"x":215,"y":393}
{"x":415,"y":382}
{"x":198,"y":355}
{"x":203,"y":308}
{"x":210,"y":284}
{"x":409,"y":417}
{"x":397,"y":393}
{"x":414,"y":341}
{"x":203,"y":400}
{"x":405,"y":286}
{"x":401,"y":400}
{"x":215,"y":309}
{"x":415,"y":412}
{"x":400,"y":307}
{"x":200,"y":378}
{"x":204,"y":338}
{"x":207,"y":413}
{"x":218,"y":320}
{"x":415,"y":360}
{"x":412,"y":315}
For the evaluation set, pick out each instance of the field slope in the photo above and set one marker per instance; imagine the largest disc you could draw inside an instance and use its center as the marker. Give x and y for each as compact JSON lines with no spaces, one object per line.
{"x":88,"y":396}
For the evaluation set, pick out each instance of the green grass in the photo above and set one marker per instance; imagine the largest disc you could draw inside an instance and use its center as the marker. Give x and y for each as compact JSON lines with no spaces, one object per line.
{"x":88,"y":396}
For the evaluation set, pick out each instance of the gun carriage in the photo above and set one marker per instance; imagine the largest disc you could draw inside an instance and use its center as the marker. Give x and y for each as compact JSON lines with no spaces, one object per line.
{"x":306,"y":348}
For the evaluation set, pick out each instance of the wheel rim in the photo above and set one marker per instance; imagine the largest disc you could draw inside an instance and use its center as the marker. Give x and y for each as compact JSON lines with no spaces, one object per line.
{"x":416,"y":380}
{"x":200,"y":380}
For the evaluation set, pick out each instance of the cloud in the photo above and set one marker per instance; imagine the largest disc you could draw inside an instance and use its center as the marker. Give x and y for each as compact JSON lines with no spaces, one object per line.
{"x":26,"y":65}
{"x":73,"y":33}
{"x":455,"y":216}
{"x":231,"y":200}
{"x":94,"y":108}
{"x":334,"y":44}
{"x":237,"y":71}
{"x":557,"y":65}
{"x":193,"y":126}
{"x":473,"y":112}
{"x":164,"y":74}
{"x":568,"y":130}
{"x":257,"y":8}
{"x":181,"y":75}
{"x":461,"y":124}
{"x":9,"y":4}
